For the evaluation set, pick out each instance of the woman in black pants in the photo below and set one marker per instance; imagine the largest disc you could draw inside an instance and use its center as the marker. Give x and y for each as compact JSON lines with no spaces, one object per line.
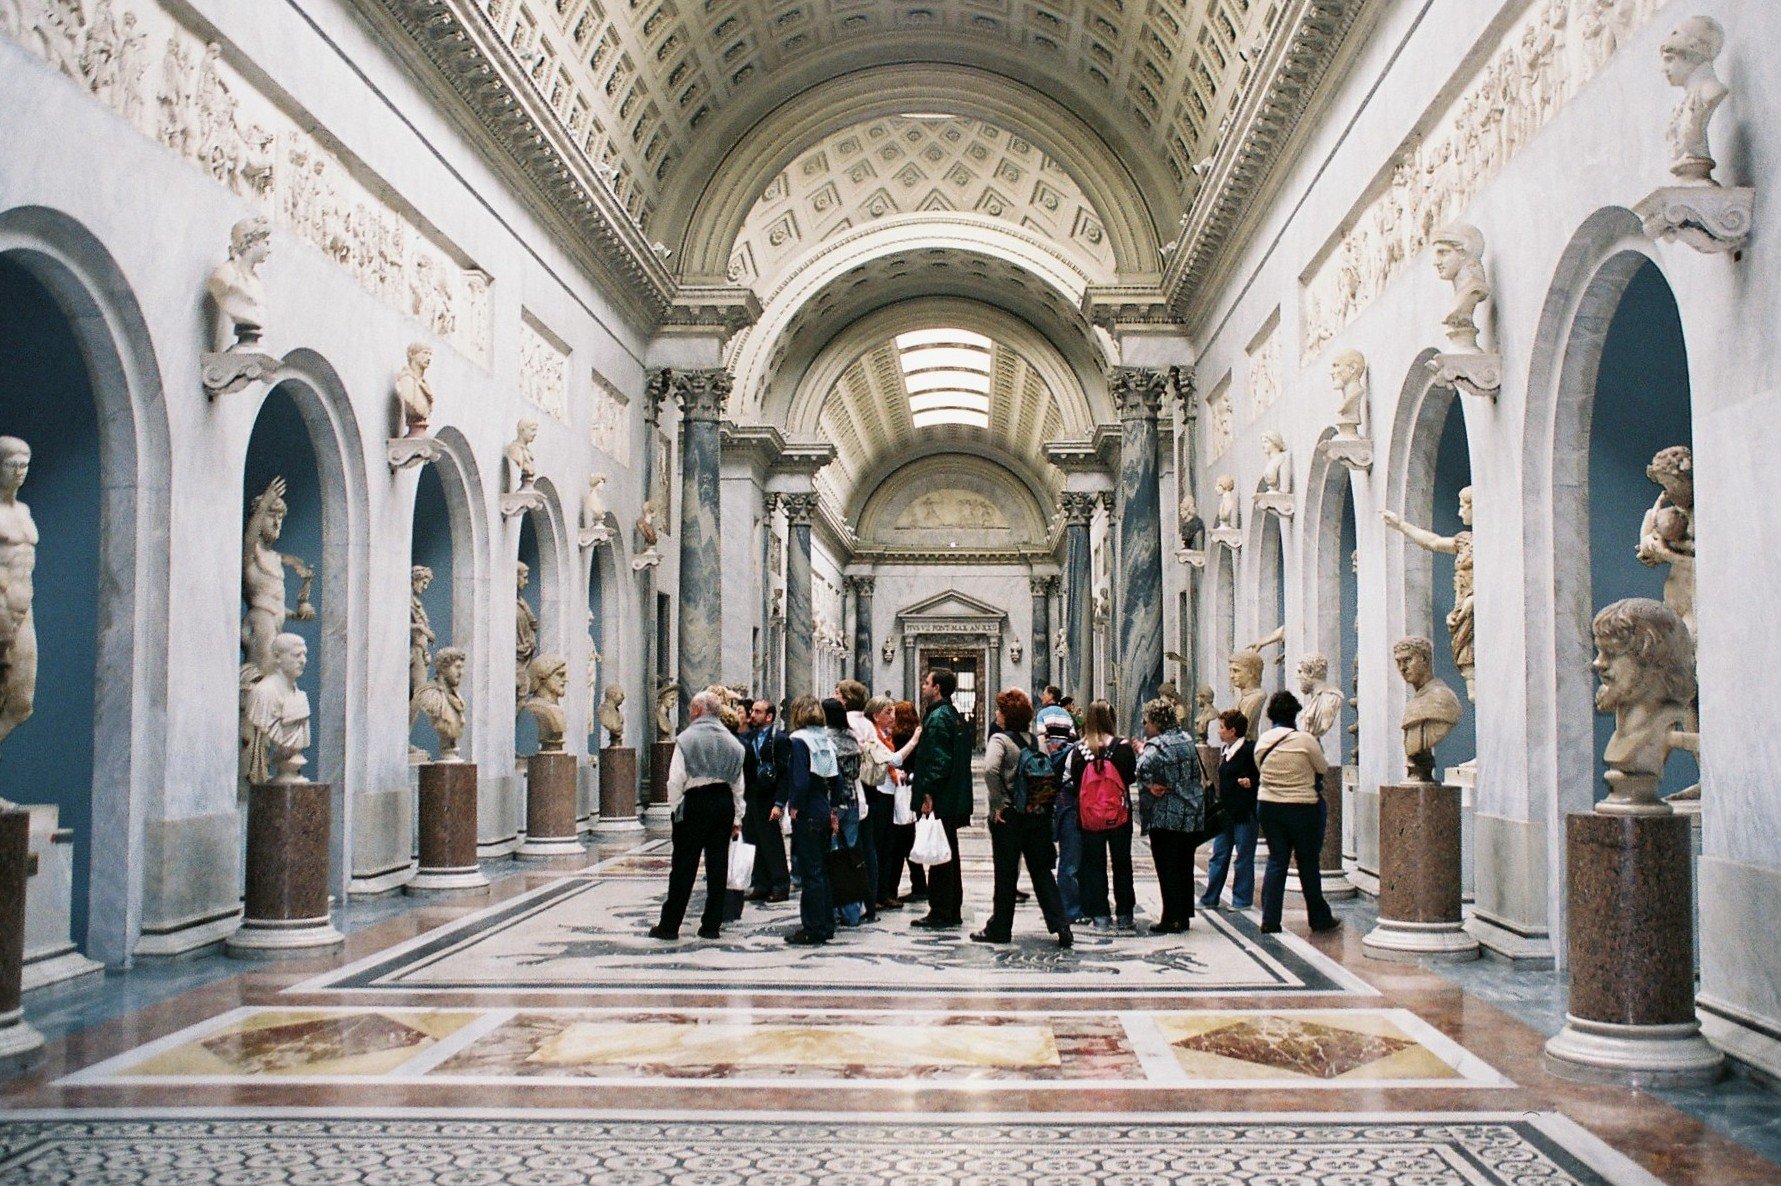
{"x":1292,"y":812}
{"x":1098,"y":751}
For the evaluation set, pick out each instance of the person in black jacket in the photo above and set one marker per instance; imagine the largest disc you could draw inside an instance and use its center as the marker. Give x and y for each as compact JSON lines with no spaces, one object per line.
{"x":766,"y":763}
{"x":1238,"y":779}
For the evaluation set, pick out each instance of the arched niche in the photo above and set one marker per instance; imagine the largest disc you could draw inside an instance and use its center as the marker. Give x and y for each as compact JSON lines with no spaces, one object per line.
{"x":1329,"y":585}
{"x":1268,"y":605}
{"x":127,"y":707}
{"x":1224,"y":623}
{"x":541,"y":548}
{"x":448,"y":535}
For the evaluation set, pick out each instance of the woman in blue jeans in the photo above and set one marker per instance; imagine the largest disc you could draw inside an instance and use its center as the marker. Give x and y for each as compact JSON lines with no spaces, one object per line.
{"x":1237,"y":781}
{"x":807,"y":797}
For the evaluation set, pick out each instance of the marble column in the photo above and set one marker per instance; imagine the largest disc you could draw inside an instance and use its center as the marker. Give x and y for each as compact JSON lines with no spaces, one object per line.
{"x":800,"y":622}
{"x":1079,"y":512}
{"x":1138,"y":394}
{"x":862,"y":627}
{"x":1042,"y":588}
{"x":702,"y":397}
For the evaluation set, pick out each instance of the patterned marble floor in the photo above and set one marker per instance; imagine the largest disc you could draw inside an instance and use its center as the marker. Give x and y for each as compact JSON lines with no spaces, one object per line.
{"x":537,"y":1037}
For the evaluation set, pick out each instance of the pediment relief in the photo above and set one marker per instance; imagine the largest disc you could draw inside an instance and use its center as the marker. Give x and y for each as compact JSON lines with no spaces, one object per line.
{"x":950,"y":606}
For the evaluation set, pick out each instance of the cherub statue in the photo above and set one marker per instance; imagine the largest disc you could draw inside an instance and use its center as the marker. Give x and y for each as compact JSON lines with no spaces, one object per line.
{"x":522,"y":468}
{"x":1666,"y":535}
{"x":1459,"y":258}
{"x":277,"y":715}
{"x":888,"y":652}
{"x":1688,"y":57}
{"x":420,"y":628}
{"x":1645,"y":662}
{"x":236,"y":289}
{"x":548,"y":677}
{"x":1459,"y":618}
{"x":1348,"y":371}
{"x":1433,"y":710}
{"x":262,"y":579}
{"x":18,"y":563}
{"x":612,"y":718}
{"x":414,"y":395}
{"x":441,"y":703}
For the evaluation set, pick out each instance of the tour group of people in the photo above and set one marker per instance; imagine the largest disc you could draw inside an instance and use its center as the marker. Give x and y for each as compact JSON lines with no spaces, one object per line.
{"x":866,"y":787}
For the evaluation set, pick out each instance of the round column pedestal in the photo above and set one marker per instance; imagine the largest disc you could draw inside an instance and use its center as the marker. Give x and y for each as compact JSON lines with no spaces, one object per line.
{"x":1631,"y":943}
{"x":1419,"y":876}
{"x":661,"y":756}
{"x":286,"y":913}
{"x":618,"y":792}
{"x":19,"y":1042}
{"x":448,"y":832}
{"x":551,"y":827}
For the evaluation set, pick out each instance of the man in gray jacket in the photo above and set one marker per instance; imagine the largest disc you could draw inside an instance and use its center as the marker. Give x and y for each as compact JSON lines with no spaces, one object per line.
{"x":705,"y":797}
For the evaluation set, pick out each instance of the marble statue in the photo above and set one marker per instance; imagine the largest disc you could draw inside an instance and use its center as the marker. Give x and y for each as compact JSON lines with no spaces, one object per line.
{"x":1277,"y":469}
{"x":1274,"y":638}
{"x":888,"y":652}
{"x":1348,"y":371}
{"x":1645,"y":664}
{"x":1433,"y":709}
{"x":1459,"y":258}
{"x":1459,"y":618}
{"x":525,"y":631}
{"x":647,"y":529}
{"x":547,"y":678}
{"x":612,"y":719}
{"x":18,"y":564}
{"x":236,"y":289}
{"x":1666,"y":536}
{"x":1246,"y":681}
{"x":593,"y":504}
{"x":522,"y":468}
{"x":420,"y":628}
{"x":414,"y":394}
{"x":1205,"y":714}
{"x":1229,"y":510}
{"x":262,"y":579}
{"x":1015,"y":652}
{"x":667,"y":705}
{"x":1323,"y":703}
{"x":277,"y":715}
{"x":1060,"y":649}
{"x":1689,"y":54}
{"x":441,"y":703}
{"x":1192,"y":527}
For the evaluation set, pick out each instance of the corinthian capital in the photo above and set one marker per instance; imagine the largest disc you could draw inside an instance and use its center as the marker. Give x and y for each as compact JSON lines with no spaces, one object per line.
{"x":701,"y":394}
{"x":861,"y":586}
{"x":1138,"y":391}
{"x":799,"y":508}
{"x":1042,"y":586}
{"x":1078,"y":506}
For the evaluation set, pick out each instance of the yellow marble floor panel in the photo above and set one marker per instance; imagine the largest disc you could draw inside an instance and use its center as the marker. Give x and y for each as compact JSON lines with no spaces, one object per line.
{"x":296,"y":1042}
{"x":682,"y":1044}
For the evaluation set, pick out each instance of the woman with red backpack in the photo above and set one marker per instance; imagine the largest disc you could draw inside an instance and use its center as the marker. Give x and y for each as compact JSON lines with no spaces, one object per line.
{"x":1101,"y":769}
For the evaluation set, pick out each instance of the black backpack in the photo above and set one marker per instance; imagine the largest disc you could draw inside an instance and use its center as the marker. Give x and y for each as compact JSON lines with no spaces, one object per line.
{"x":1035,"y":780}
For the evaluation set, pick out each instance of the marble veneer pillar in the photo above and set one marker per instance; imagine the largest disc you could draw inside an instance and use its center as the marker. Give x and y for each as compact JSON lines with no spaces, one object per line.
{"x":1042,"y":589}
{"x":1138,"y":394}
{"x":1079,"y":512}
{"x":1630,"y":935}
{"x":19,"y":1042}
{"x":448,"y":832}
{"x":800,"y":621}
{"x":1419,"y":902}
{"x":702,"y":395}
{"x":286,"y":913}
{"x":618,"y":791}
{"x":863,"y":588}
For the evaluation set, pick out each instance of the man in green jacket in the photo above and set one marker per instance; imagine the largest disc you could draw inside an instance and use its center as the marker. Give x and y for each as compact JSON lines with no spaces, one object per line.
{"x":942,"y":788}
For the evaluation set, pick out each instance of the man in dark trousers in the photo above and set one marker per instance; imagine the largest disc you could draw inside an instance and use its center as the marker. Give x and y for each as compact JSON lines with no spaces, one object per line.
{"x":943,"y":789}
{"x":705,"y":799}
{"x":765,"y":764}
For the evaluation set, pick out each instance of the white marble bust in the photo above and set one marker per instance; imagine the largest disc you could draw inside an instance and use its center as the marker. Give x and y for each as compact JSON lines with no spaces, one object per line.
{"x":1348,"y":372}
{"x":441,"y":703}
{"x":548,"y":677}
{"x":1323,"y":703}
{"x":236,"y":289}
{"x":1688,"y":55}
{"x":1229,"y":507}
{"x":612,"y":718}
{"x":593,"y":503}
{"x":1277,"y":469}
{"x":413,"y":392}
{"x":1645,"y":664}
{"x":522,"y":469}
{"x":1433,"y":709}
{"x":1459,"y":258}
{"x":277,"y":713}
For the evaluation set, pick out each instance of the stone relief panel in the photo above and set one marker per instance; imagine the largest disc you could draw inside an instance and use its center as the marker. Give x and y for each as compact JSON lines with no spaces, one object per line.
{"x":141,"y":62}
{"x":947,"y":503}
{"x":608,"y":412}
{"x":1543,"y":59}
{"x":952,"y":508}
{"x":1219,"y":429}
{"x":543,"y":369}
{"x":1264,"y":369}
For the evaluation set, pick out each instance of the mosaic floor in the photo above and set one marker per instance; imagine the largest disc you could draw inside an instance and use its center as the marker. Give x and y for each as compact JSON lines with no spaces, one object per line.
{"x":539,"y":1038}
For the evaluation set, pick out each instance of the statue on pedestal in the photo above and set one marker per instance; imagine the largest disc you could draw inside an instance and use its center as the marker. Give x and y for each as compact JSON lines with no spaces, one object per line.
{"x":548,"y":677}
{"x":414,"y":394}
{"x":441,"y":703}
{"x":262,"y":579}
{"x":277,"y":715}
{"x":420,"y":628}
{"x":525,"y":633}
{"x":522,"y":468}
{"x":1323,"y":703}
{"x":1689,"y":54}
{"x":1666,"y":535}
{"x":612,"y":719}
{"x":1277,"y":470}
{"x":1192,"y":527}
{"x":1433,"y":710}
{"x":1459,"y":618}
{"x":1645,"y":664}
{"x":1459,"y":258}
{"x":594,"y":514}
{"x":237,"y":291}
{"x":888,"y":652}
{"x":1348,"y":371}
{"x":1205,"y":713}
{"x":667,"y":705}
{"x":18,"y":564}
{"x":1229,"y":506}
{"x":1246,"y":680}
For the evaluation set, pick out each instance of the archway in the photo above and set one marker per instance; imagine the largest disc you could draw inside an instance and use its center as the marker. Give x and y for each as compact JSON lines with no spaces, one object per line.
{"x":1270,"y":597}
{"x":433,"y":546}
{"x":1329,"y":584}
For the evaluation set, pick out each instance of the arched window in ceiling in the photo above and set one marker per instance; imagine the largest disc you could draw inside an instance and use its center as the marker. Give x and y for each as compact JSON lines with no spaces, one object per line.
{"x":946,"y":376}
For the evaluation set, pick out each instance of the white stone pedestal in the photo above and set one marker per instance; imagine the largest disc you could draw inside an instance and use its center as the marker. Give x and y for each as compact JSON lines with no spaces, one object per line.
{"x":50,"y":954}
{"x":1465,"y":777}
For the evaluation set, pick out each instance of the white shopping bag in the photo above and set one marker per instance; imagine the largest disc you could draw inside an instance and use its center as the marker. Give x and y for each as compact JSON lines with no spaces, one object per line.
{"x":930,"y":843}
{"x":902,"y":812}
{"x":741,"y":865}
{"x":785,"y":823}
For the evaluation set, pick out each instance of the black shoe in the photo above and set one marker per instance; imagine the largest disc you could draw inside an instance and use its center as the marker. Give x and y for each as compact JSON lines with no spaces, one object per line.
{"x":664,"y":934}
{"x":986,"y":937}
{"x":1022,"y":896}
{"x":890,"y":904}
{"x":781,"y":896}
{"x":926,"y":922}
{"x":1334,"y":924}
{"x":1270,"y":928}
{"x":804,"y":939}
{"x":916,"y":896}
{"x":757,"y":896}
{"x":1066,"y":940}
{"x":712,"y":933}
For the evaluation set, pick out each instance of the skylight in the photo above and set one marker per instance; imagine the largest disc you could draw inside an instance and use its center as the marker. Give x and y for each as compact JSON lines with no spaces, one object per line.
{"x":946,"y":376}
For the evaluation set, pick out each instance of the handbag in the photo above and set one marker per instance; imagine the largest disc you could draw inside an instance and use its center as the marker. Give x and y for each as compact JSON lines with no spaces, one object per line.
{"x":930,"y":843}
{"x":741,"y":873}
{"x":1218,"y":816}
{"x":846,"y":867}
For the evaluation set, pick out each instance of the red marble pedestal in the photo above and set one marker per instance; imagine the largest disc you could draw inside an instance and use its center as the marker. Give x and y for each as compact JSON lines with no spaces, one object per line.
{"x":551,"y":826}
{"x":1630,"y":936}
{"x":448,"y":832}
{"x":19,"y":1042}
{"x":618,"y":791}
{"x":1335,"y":878}
{"x":286,"y":914}
{"x":1419,"y":875}
{"x":661,"y":756}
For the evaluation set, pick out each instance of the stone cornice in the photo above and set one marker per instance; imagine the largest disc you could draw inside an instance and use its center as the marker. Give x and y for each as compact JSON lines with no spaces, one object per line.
{"x":725,"y":308}
{"x":1098,"y":454}
{"x":804,"y":458}
{"x":760,"y":444}
{"x":1308,"y":39}
{"x":1111,"y":306}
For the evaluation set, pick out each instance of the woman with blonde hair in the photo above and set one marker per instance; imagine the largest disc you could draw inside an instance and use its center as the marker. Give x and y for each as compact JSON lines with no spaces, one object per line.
{"x":807,"y":797}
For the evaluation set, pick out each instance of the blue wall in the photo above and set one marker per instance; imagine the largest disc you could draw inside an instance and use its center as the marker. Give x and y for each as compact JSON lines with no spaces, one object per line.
{"x":432,"y":547}
{"x":280,"y":447}
{"x":47,"y":400}
{"x":1342,"y":674}
{"x":1453,"y":473}
{"x":1641,"y":406}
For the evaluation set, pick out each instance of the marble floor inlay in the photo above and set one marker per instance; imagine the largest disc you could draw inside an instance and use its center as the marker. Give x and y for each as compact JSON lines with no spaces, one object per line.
{"x":421,"y":1150}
